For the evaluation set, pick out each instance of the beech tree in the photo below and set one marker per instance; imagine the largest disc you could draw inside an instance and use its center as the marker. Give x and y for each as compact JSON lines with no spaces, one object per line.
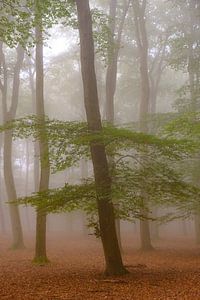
{"x":9,"y":113}
{"x":114,"y":265}
{"x":139,"y":8}
{"x":187,"y":38}
{"x":40,"y":246}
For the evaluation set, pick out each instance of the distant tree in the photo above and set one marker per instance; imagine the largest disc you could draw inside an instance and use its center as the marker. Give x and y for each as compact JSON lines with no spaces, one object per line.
{"x":9,"y":113}
{"x":113,"y":54}
{"x":139,"y":8}
{"x":185,"y":55}
{"x":111,"y":72}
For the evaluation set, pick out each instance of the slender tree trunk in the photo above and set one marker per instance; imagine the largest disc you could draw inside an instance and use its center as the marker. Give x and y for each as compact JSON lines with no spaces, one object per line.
{"x":194,"y":90}
{"x":40,"y":247}
{"x":155,"y":75}
{"x":2,"y":218}
{"x":111,"y":75}
{"x":9,"y":115}
{"x":36,"y":144}
{"x":11,"y":193}
{"x":27,"y":183}
{"x":197,"y":228}
{"x":84,"y":175}
{"x":142,"y":43}
{"x":114,"y":265}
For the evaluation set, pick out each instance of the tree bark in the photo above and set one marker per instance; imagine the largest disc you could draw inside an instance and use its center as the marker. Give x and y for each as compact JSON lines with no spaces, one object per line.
{"x":194,"y":86}
{"x":197,"y":228}
{"x":142,"y":44}
{"x":111,"y":75}
{"x":9,"y":115}
{"x":40,"y":246}
{"x":2,"y":217}
{"x":114,"y":265}
{"x":36,"y":146}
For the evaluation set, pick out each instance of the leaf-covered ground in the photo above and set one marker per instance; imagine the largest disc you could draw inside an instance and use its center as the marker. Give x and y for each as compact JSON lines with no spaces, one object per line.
{"x":75,"y":272}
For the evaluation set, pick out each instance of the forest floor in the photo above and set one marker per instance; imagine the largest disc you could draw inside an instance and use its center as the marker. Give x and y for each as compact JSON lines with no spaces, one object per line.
{"x":172,"y":271}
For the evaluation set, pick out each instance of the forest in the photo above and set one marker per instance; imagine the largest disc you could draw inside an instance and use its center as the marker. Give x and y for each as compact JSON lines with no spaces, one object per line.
{"x":99,"y":149}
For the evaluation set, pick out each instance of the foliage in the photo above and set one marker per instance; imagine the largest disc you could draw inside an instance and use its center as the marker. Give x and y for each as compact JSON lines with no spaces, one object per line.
{"x":18,"y":19}
{"x":142,"y":162}
{"x":69,"y":141}
{"x":101,"y":33}
{"x":185,"y":125}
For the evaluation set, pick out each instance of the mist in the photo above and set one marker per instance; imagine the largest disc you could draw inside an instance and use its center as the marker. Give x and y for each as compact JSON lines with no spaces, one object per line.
{"x":99,"y":149}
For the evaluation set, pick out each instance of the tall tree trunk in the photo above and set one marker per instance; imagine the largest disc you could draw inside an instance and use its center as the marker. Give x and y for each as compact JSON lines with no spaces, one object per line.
{"x":155,"y":74}
{"x":142,"y":43}
{"x":27,"y":184}
{"x":111,"y":74}
{"x":2,"y":218}
{"x":114,"y":265}
{"x":40,"y":246}
{"x":36,"y":145}
{"x":191,"y":60}
{"x":194,"y":85}
{"x":8,"y":115}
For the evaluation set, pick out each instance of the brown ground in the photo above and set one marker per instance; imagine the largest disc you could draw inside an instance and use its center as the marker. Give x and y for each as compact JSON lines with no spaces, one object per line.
{"x":76,"y":267}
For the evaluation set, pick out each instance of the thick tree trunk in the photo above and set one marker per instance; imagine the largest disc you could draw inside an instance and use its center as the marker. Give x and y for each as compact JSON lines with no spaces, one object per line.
{"x":145,"y":235}
{"x":114,"y":265}
{"x":40,"y":247}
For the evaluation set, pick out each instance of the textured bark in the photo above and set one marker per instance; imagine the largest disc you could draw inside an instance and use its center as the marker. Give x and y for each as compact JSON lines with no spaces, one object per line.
{"x":8,"y":115}
{"x":40,"y":246}
{"x":142,"y":43}
{"x":114,"y":265}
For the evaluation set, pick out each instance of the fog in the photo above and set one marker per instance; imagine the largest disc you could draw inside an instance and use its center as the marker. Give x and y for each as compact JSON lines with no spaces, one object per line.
{"x":99,"y":144}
